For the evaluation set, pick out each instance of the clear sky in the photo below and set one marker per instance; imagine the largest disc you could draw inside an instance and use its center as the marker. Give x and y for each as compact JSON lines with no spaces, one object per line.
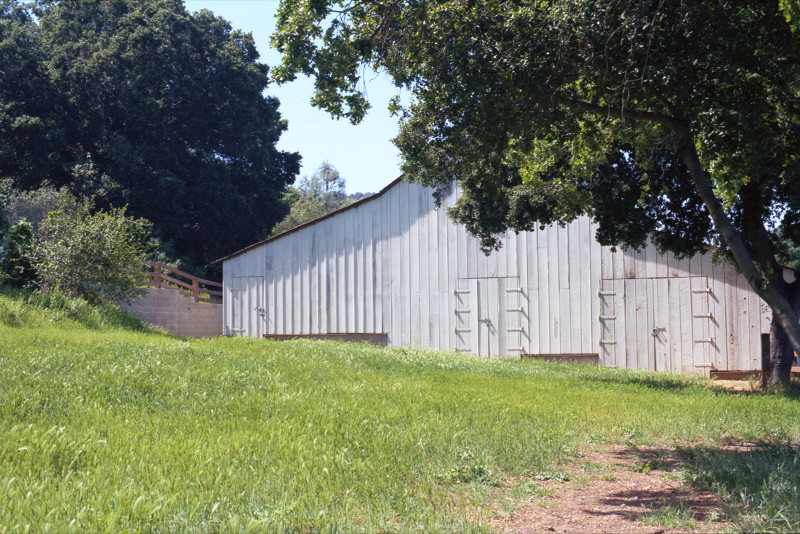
{"x":363,"y":154}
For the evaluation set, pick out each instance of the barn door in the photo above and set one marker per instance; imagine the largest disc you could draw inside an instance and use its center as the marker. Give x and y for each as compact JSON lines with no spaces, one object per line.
{"x":660,"y":324}
{"x":489,"y":316}
{"x":247,"y":306}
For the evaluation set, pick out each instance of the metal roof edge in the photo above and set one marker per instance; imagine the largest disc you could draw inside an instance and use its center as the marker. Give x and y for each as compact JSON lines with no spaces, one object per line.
{"x":312,"y":222}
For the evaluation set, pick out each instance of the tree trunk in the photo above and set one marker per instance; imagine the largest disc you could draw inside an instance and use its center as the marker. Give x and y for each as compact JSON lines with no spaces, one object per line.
{"x":777,"y":369}
{"x":783,"y":312}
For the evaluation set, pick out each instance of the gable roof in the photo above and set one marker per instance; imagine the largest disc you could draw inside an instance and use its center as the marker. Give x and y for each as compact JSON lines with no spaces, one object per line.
{"x":359,"y":202}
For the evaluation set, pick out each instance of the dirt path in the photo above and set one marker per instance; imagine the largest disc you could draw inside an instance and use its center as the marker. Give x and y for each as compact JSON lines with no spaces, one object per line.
{"x":610,"y":489}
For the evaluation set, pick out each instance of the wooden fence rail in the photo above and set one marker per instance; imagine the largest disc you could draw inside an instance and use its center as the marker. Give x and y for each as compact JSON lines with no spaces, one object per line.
{"x":191,"y":286}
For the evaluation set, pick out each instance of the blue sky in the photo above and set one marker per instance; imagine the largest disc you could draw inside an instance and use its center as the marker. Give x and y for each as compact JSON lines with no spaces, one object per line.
{"x":363,"y":154}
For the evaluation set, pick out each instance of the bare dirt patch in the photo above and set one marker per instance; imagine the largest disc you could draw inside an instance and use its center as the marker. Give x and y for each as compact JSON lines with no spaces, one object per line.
{"x":735,"y":385}
{"x":610,"y":489}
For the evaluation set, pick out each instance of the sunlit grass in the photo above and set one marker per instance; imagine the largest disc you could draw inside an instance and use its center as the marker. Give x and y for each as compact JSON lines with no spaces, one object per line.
{"x":107,"y":428}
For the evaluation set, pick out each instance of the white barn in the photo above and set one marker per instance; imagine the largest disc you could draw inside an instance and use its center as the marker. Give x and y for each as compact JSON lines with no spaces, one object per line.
{"x":392,"y":264}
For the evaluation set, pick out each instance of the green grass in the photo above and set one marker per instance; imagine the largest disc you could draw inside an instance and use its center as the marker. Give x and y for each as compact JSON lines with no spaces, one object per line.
{"x":760,"y":486}
{"x":675,"y":516}
{"x":108,"y":425}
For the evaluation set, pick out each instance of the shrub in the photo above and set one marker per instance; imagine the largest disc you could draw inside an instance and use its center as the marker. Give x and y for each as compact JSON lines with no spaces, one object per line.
{"x":94,"y":256}
{"x":16,"y":268}
{"x":34,"y":205}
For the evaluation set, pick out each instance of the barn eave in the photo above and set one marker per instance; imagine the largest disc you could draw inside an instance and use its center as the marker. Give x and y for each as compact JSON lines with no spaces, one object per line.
{"x":312,"y":222}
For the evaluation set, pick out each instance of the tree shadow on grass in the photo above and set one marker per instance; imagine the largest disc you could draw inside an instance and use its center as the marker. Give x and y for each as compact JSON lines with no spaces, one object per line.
{"x":756,"y":485}
{"x":678,"y":383}
{"x":684,"y":504}
{"x":760,"y":482}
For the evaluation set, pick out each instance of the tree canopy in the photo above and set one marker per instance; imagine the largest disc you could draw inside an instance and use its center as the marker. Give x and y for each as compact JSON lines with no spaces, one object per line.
{"x":666,"y":120}
{"x":141,"y":103}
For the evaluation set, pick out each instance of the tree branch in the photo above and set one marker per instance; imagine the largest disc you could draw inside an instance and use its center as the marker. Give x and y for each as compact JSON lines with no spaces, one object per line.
{"x":647,"y":116}
{"x":688,"y":153}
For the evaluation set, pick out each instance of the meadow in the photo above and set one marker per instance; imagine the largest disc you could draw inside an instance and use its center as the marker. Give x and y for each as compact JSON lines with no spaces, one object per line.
{"x":109,"y":425}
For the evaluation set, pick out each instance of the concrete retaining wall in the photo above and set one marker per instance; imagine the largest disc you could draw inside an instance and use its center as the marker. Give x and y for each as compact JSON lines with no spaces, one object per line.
{"x":178,"y":314}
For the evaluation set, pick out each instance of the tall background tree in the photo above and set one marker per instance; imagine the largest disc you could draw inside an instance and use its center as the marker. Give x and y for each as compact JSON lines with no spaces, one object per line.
{"x":313,"y":197}
{"x":671,"y":120}
{"x":141,"y":103}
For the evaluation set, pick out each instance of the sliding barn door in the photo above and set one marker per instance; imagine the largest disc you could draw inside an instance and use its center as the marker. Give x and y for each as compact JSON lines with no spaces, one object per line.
{"x":489,"y":316}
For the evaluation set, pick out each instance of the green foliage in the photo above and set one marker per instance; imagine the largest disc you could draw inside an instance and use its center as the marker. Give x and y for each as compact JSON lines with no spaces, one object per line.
{"x":140,"y":103}
{"x":96,"y":256}
{"x":547,"y":110}
{"x":314,"y":197}
{"x":16,"y":268}
{"x":38,"y":310}
{"x":468,"y":468}
{"x":33,"y":205}
{"x":791,"y":10}
{"x":3,"y":219}
{"x":117,"y":430}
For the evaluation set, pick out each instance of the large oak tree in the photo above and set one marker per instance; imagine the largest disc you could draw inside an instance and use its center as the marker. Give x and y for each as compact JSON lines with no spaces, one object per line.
{"x":669,"y":120}
{"x":141,"y":103}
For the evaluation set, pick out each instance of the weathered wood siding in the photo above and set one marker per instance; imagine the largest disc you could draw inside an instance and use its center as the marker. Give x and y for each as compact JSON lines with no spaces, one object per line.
{"x":394,"y":264}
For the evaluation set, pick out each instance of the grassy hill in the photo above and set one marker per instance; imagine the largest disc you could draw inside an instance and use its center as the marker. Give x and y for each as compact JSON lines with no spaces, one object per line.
{"x":107,"y":424}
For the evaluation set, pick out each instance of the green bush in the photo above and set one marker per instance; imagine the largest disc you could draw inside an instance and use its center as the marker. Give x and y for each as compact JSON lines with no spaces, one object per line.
{"x":97,"y":256}
{"x":16,"y":268}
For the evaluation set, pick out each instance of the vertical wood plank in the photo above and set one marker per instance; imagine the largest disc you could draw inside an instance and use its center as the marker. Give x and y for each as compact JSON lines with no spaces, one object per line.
{"x":577,"y":265}
{"x":423,"y":311}
{"x":552,"y":314}
{"x":643,"y":329}
{"x":661,"y":321}
{"x":368,"y":301}
{"x":700,"y":330}
{"x":398,"y":272}
{"x":651,"y":261}
{"x":521,"y":260}
{"x":437,"y":252}
{"x":631,"y":347}
{"x":474,"y":316}
{"x":619,"y":299}
{"x":531,"y":257}
{"x":651,"y":320}
{"x":586,"y":314}
{"x":313,"y":282}
{"x":606,"y":324}
{"x":269,"y":297}
{"x":340,"y":288}
{"x":280,"y":308}
{"x":405,"y":265}
{"x":386,"y":259}
{"x":495,"y":312}
{"x":451,"y":236}
{"x":662,"y":269}
{"x":685,"y":313}
{"x":306,"y":262}
{"x":412,"y":248}
{"x":751,"y":322}
{"x":378,"y":237}
{"x":720,"y":316}
{"x":351,"y":269}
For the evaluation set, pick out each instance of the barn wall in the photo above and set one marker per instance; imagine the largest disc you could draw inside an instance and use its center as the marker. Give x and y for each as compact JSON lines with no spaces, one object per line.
{"x":397,"y":265}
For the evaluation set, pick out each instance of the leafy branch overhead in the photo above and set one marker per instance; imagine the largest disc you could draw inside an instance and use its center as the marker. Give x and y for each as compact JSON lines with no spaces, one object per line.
{"x":665,"y":120}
